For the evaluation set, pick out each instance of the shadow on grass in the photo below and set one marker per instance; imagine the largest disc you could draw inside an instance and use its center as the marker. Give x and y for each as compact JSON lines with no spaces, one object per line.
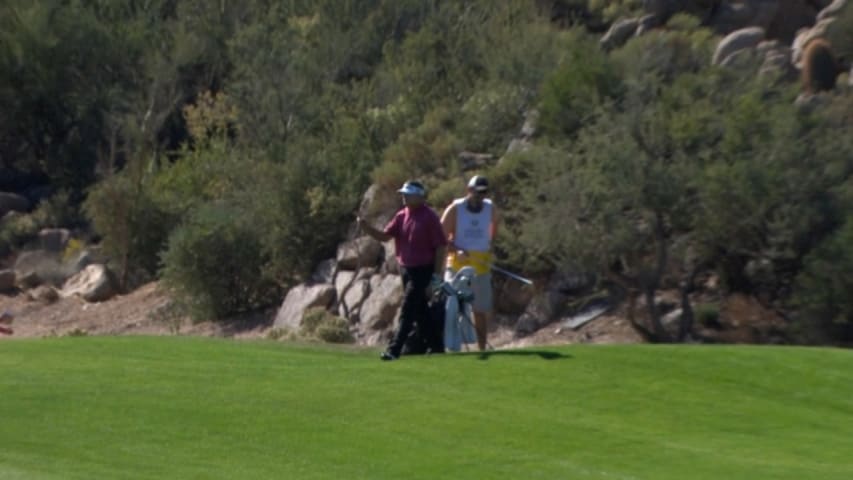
{"x":543,"y":354}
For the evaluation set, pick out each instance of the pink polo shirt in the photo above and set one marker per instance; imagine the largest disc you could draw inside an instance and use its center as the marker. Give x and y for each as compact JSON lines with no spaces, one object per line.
{"x":417,"y":234}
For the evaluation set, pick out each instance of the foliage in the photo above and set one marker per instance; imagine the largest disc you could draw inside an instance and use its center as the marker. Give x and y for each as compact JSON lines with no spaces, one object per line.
{"x":134,"y":228}
{"x":321,"y":324}
{"x":212,"y":264}
{"x":19,"y":228}
{"x":168,"y":117}
{"x":490,"y":117}
{"x":571,"y":94}
{"x":614,"y":10}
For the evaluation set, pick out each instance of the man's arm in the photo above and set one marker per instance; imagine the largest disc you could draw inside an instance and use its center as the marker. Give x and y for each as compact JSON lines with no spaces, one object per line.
{"x":440,"y":259}
{"x":373,"y":231}
{"x":448,"y":223}
{"x":493,"y":228}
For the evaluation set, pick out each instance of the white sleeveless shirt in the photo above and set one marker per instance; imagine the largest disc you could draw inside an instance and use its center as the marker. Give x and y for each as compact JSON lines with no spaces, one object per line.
{"x":473,"y":230}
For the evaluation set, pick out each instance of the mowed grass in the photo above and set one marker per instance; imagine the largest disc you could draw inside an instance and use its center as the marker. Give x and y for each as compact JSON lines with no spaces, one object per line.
{"x":189,"y":408}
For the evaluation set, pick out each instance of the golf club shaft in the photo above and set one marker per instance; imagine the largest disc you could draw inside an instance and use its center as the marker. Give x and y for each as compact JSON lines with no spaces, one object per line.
{"x":512,"y":275}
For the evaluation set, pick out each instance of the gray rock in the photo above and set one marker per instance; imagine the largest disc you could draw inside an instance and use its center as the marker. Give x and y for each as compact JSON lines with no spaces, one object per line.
{"x":619,"y":33}
{"x":381,"y":306}
{"x":832,"y":10}
{"x":54,"y":239}
{"x":743,"y":39}
{"x":299,"y":299}
{"x":647,"y":23}
{"x":324,"y":272}
{"x":44,"y":294}
{"x":94,"y":283}
{"x":379,"y":204}
{"x":7,"y":280}
{"x":352,"y":292}
{"x":35,"y":267}
{"x":360,"y":252}
{"x":390,"y":264}
{"x":542,"y":310}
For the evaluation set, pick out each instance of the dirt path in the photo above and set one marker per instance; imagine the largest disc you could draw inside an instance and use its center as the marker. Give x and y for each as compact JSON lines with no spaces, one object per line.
{"x":145,"y":312}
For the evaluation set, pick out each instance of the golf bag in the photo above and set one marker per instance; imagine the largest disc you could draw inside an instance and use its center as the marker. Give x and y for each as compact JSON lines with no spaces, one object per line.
{"x":458,"y":310}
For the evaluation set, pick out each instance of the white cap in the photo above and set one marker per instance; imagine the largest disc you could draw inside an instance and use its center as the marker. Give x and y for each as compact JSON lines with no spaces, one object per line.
{"x":413,"y":188}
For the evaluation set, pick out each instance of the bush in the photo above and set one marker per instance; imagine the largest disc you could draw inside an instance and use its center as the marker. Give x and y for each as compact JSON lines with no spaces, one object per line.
{"x":490,"y":118}
{"x":424,"y":152}
{"x":319,"y":323}
{"x":213,"y":263}
{"x":823,"y":287}
{"x":20,"y":228}
{"x":570,"y":96}
{"x":133,"y":226}
{"x":707,"y":315}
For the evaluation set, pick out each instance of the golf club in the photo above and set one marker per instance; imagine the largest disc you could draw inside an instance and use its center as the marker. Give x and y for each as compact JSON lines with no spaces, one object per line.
{"x":513,"y":275}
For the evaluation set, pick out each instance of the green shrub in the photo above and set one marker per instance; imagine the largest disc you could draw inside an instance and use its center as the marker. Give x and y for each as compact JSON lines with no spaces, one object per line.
{"x":213,"y":264}
{"x":490,"y":118}
{"x":321,"y":324}
{"x":824,"y":285}
{"x":134,"y":228}
{"x":571,"y":95}
{"x":615,"y":9}
{"x":707,"y":314}
{"x":20,"y":228}
{"x":425,"y":152}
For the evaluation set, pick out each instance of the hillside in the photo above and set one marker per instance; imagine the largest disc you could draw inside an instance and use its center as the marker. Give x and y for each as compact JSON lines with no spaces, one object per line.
{"x":684,"y":165}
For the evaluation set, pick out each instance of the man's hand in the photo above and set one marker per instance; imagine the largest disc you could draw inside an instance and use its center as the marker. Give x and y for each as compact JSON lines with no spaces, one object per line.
{"x":435,"y":284}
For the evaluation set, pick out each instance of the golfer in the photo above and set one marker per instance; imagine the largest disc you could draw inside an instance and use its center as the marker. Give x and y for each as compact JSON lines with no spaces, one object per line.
{"x":471,"y":225}
{"x":421,"y":248}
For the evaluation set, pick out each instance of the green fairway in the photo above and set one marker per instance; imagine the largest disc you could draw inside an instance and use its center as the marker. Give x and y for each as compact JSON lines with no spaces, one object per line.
{"x":188,"y":408}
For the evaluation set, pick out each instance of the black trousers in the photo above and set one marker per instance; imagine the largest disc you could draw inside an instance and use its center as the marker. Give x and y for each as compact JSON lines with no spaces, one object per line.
{"x":415,"y":311}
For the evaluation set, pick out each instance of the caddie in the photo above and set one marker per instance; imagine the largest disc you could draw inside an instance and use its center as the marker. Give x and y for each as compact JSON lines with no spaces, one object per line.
{"x":471,"y":226}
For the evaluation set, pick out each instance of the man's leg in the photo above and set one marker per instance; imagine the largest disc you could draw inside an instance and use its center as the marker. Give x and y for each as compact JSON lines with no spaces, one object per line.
{"x":415,"y":282}
{"x":483,"y":311}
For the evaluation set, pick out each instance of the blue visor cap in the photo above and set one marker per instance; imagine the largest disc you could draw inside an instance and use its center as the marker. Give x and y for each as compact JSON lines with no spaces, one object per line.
{"x":412,"y":188}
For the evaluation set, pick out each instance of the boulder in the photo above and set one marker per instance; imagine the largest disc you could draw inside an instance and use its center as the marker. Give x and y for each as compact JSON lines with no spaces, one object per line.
{"x":44,"y":294}
{"x":542,"y":310}
{"x":81,"y":261}
{"x":54,"y":239}
{"x":528,"y":129}
{"x":380,"y":308}
{"x":324,"y":272}
{"x":7,"y":280}
{"x":743,"y":39}
{"x":834,"y":9}
{"x":95,"y":283}
{"x":790,"y":17}
{"x":360,"y":252}
{"x":299,"y":299}
{"x":12,"y":202}
{"x":352,"y":289}
{"x":379,"y":205}
{"x":647,"y":23}
{"x":619,"y":33}
{"x":390,"y":265}
{"x":35,"y":267}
